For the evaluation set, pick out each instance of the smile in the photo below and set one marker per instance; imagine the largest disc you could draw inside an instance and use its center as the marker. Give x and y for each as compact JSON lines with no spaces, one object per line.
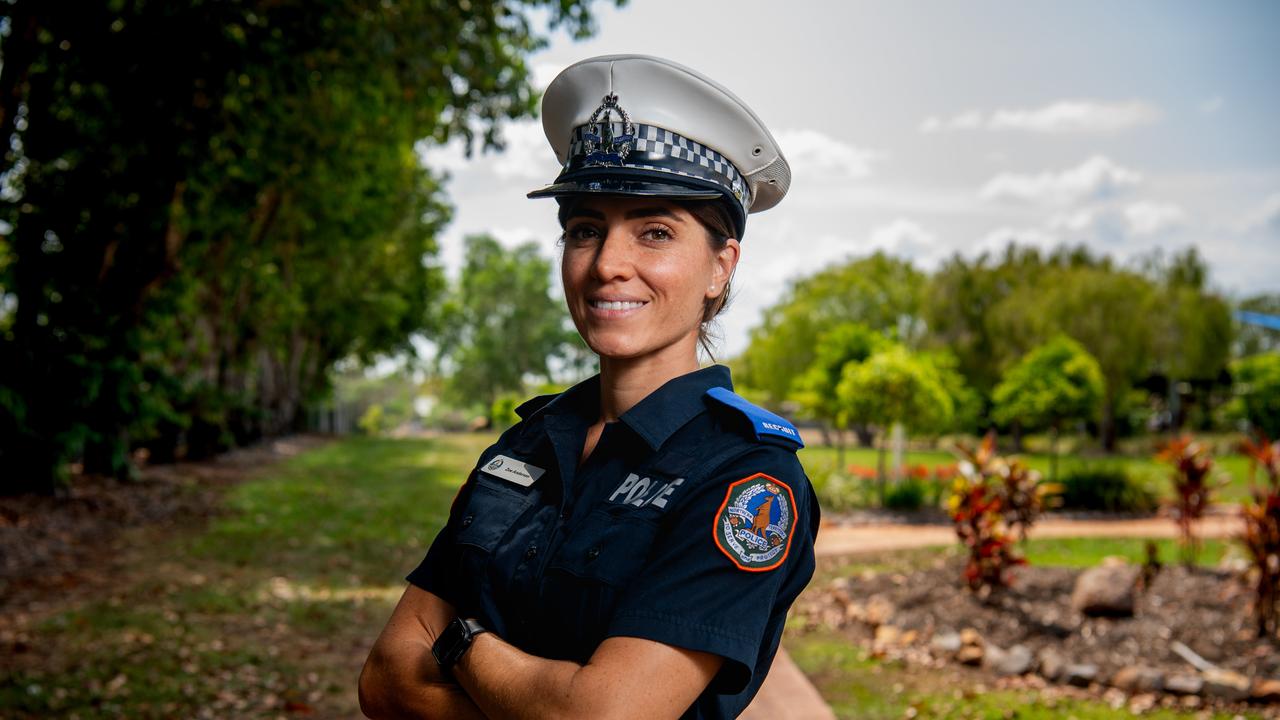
{"x":617,"y":304}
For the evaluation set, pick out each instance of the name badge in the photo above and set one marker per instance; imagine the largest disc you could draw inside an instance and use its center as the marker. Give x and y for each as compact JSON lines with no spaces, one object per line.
{"x":512,"y":470}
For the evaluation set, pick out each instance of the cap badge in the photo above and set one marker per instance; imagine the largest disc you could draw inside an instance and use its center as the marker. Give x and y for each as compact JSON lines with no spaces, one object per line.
{"x":599,"y":144}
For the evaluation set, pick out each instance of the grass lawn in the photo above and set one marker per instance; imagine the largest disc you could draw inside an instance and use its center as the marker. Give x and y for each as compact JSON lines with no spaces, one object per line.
{"x":820,"y":461}
{"x":268,"y":611}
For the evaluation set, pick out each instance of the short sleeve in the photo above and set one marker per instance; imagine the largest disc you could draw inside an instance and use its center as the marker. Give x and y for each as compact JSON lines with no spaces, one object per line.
{"x":727,"y":565}
{"x":438,"y":571}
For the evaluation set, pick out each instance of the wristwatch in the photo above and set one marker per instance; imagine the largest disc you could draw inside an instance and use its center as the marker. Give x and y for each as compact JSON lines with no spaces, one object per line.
{"x":454,"y":642}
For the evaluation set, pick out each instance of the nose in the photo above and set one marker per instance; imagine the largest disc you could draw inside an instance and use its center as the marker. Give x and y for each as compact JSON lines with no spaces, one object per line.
{"x":613,"y":259}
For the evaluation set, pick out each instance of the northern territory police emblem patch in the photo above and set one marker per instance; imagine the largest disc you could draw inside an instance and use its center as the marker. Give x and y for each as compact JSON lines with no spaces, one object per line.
{"x":753,"y":526}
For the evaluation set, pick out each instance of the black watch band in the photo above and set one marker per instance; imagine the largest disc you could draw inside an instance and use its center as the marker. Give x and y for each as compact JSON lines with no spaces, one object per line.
{"x":454,"y":642}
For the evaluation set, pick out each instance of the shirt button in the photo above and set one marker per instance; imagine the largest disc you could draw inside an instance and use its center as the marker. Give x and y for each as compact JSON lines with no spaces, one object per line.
{"x":564,"y":516}
{"x":467,"y":520}
{"x":531,"y":553}
{"x":593,"y":553}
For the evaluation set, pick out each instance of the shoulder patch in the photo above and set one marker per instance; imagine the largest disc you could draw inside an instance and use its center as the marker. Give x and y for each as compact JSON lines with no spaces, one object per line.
{"x":766,"y":424}
{"x":754,"y":525}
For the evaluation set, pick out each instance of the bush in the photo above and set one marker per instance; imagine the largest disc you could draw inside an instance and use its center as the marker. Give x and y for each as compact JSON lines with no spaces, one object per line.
{"x":839,"y":492}
{"x":1105,"y":487}
{"x":909,"y":493}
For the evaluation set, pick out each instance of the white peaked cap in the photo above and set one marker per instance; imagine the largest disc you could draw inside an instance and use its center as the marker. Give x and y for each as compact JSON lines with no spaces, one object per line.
{"x":675,"y":132}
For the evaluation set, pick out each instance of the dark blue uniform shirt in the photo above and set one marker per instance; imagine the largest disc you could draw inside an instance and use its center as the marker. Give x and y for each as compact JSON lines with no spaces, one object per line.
{"x":691,"y":523}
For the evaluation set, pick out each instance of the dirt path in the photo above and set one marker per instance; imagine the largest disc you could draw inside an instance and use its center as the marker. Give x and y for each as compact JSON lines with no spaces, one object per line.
{"x":838,"y":540}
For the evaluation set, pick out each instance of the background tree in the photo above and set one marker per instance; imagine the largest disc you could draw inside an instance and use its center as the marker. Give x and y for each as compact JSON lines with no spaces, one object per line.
{"x":815,"y":390}
{"x":207,"y":204}
{"x":1054,"y":384}
{"x":500,"y":323}
{"x":1257,"y":392}
{"x":880,"y":292}
{"x":893,"y":386}
{"x":1251,"y":339}
{"x":1109,"y":312}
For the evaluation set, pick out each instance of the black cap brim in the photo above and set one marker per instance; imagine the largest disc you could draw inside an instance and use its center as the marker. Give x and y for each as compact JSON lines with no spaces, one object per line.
{"x":638,"y":183}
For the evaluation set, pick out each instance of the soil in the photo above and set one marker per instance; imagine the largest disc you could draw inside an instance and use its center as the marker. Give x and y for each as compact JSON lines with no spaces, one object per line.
{"x":1207,"y":609}
{"x":54,"y":548}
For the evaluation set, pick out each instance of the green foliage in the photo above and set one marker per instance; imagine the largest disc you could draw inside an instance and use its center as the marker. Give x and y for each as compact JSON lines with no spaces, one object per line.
{"x":208,"y":204}
{"x":1105,"y":486}
{"x":372,"y":421}
{"x":1257,"y":392}
{"x":500,"y":323}
{"x":908,"y":493}
{"x":815,"y":390}
{"x":502,"y":414}
{"x":1057,"y":382}
{"x":879,"y":292}
{"x":895,"y":386}
{"x":1250,"y":339}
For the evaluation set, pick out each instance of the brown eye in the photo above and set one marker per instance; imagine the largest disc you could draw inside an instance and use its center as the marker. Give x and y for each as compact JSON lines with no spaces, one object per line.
{"x":657,"y":234}
{"x":581,"y":233}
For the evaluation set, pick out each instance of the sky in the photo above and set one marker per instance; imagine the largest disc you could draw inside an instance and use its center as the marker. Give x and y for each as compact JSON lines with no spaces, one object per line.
{"x":925,"y":129}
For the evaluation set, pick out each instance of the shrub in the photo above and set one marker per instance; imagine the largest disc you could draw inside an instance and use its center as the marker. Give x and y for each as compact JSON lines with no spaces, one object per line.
{"x":1261,"y":536}
{"x":992,"y":498}
{"x":909,"y":493}
{"x":1192,"y":487}
{"x":841,"y":492}
{"x":1105,"y":487}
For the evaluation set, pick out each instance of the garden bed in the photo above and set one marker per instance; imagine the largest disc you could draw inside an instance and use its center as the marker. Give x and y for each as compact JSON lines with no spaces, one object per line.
{"x":916,"y":614}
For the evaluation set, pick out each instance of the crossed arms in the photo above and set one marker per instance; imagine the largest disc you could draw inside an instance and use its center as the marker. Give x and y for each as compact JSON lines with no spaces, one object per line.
{"x":626,"y":677}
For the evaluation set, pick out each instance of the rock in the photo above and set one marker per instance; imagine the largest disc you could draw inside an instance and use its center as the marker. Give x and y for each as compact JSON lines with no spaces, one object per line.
{"x":970,"y":655}
{"x":969,"y":636}
{"x":1226,"y":684}
{"x":1265,"y":690}
{"x":888,"y":636}
{"x":879,"y":610}
{"x":1079,"y":674}
{"x":1184,"y":684}
{"x":1051,"y":663}
{"x":1138,"y":679}
{"x":1107,"y":590}
{"x":947,"y":642}
{"x":1017,"y":660}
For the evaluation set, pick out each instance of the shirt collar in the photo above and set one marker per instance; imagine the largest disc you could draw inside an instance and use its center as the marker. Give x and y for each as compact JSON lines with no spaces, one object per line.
{"x":679,"y":400}
{"x":658,"y":415}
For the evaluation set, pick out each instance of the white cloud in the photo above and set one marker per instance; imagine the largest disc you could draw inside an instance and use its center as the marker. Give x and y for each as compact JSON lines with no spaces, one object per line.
{"x":995,"y":241}
{"x":1209,"y":106}
{"x":903,"y":237}
{"x":1151,"y":218}
{"x":1265,"y":217}
{"x":1064,"y":116}
{"x":813,"y":154}
{"x":1095,"y":178}
{"x":527,"y":155}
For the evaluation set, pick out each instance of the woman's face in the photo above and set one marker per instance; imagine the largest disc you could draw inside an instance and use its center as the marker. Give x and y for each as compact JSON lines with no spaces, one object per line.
{"x":637,"y":273}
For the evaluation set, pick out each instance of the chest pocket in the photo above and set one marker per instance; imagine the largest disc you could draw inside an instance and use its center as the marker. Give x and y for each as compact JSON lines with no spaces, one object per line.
{"x":607,"y":547}
{"x":588,"y":577}
{"x":488,"y":515}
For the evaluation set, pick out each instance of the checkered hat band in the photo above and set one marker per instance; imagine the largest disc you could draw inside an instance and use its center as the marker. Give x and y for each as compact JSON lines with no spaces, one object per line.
{"x":661,"y":150}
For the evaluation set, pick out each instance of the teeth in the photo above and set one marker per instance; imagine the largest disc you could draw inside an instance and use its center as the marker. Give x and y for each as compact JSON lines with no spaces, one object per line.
{"x":615,"y":305}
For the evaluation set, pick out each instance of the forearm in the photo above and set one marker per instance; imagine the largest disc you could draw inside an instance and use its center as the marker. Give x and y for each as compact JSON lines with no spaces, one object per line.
{"x":507,"y":682}
{"x":389,"y":691}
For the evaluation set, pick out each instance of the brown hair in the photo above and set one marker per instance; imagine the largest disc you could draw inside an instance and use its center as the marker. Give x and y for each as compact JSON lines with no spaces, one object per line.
{"x":715,"y":219}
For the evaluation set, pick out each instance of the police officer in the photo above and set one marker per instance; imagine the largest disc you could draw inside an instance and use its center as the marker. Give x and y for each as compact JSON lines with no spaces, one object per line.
{"x":630,"y":548}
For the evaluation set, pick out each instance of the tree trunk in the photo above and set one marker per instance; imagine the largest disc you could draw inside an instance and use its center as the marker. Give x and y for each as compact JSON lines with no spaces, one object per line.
{"x":880,"y":473}
{"x":1107,"y":424}
{"x":1053,"y":453}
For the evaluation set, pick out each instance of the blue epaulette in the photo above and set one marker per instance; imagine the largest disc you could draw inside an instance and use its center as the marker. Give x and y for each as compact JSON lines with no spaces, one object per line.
{"x":767,"y":425}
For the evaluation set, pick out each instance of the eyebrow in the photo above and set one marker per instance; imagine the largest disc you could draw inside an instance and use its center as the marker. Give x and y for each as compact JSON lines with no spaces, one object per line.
{"x":643,"y":212}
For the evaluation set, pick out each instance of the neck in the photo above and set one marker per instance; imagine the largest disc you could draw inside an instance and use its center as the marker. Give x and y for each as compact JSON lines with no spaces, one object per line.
{"x":626,"y":381}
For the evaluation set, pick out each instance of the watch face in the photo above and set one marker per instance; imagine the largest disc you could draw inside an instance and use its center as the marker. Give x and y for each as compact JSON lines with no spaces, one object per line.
{"x":449,"y":646}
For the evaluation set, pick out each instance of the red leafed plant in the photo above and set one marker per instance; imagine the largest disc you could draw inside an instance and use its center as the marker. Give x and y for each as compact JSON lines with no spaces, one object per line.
{"x":1191,"y":467}
{"x":1261,"y":537}
{"x":991,"y":499}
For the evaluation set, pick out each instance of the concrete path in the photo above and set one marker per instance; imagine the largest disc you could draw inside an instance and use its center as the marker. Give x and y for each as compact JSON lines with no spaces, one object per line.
{"x":788,"y":695}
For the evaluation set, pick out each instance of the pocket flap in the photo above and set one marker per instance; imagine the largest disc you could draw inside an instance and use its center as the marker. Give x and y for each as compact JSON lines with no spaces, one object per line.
{"x":607,"y":548}
{"x":488,"y":515}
